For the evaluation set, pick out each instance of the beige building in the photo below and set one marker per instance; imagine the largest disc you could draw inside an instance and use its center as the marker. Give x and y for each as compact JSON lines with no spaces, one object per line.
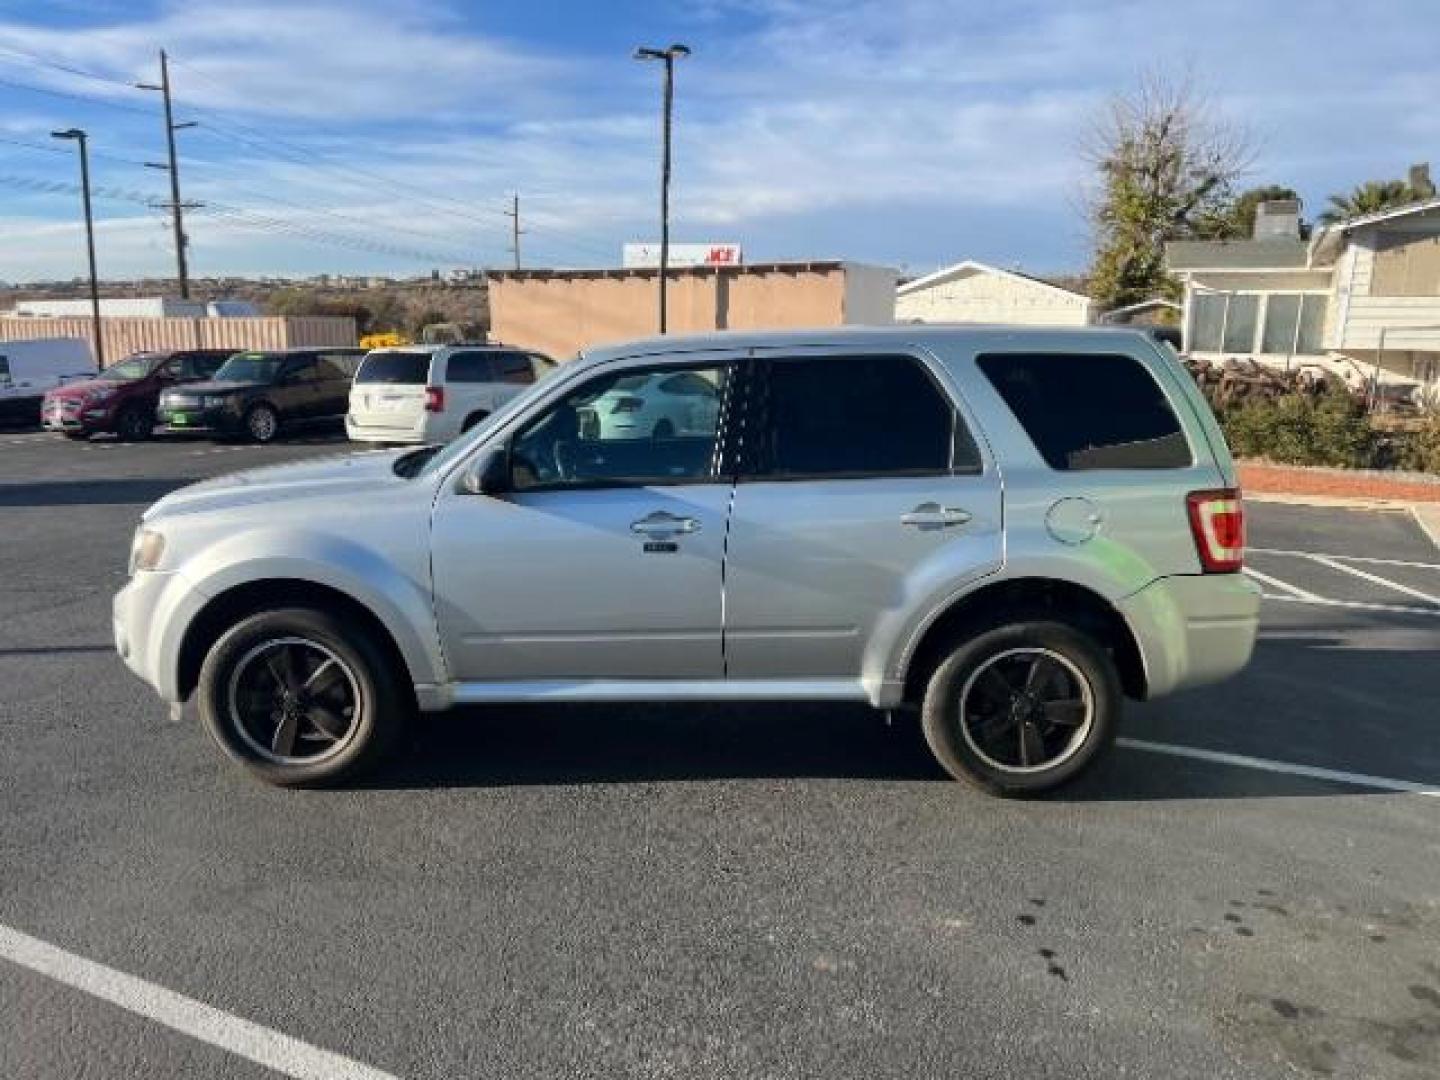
{"x":561,"y":312}
{"x":1358,"y":292}
{"x":121,"y":336}
{"x":971,"y":292}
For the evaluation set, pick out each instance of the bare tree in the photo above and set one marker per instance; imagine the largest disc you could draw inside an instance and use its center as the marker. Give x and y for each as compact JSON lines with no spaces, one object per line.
{"x":1165,"y":169}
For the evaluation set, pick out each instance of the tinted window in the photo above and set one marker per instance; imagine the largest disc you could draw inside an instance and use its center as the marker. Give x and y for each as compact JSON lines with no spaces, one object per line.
{"x":515,"y":368}
{"x":346,"y":363}
{"x":4,"y":371}
{"x":395,"y":367}
{"x":249,"y":367}
{"x":620,"y":430}
{"x":206,"y":365}
{"x":470,"y":367}
{"x":306,"y":370}
{"x":855,"y":416}
{"x":329,"y":369}
{"x":1090,"y":411}
{"x":687,"y":384}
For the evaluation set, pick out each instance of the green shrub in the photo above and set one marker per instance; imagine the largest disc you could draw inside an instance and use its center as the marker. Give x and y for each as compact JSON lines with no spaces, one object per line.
{"x":1296,"y":429}
{"x":1419,"y":451}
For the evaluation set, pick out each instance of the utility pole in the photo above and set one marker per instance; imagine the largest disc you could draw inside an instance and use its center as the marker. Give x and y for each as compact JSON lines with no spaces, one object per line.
{"x":669,"y":56}
{"x":514,"y":214}
{"x":79,"y":136}
{"x":177,"y":207}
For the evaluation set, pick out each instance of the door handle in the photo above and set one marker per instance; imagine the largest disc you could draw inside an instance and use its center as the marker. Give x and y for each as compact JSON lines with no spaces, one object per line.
{"x":934,"y":516}
{"x":661,"y":524}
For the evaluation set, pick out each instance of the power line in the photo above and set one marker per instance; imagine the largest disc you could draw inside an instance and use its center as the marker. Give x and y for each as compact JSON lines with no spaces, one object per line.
{"x":88,"y":99}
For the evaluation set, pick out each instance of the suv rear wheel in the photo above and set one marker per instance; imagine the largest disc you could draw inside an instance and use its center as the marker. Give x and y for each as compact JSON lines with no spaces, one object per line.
{"x":1022,"y":708}
{"x":300,"y":698}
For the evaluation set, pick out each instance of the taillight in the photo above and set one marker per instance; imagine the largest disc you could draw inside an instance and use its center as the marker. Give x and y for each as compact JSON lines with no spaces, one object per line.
{"x":627,"y":404}
{"x":1217,"y":520}
{"x":434,"y":399}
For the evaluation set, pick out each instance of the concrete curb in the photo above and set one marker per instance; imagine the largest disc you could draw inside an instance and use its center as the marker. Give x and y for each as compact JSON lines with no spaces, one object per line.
{"x":1427,"y":516}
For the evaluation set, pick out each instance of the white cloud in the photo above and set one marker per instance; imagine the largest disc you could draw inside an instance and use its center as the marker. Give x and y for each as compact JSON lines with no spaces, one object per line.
{"x":823,"y":119}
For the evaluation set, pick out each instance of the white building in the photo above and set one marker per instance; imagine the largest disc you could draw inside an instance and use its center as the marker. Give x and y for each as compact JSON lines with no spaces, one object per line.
{"x":1357,"y":293}
{"x":146,"y":307}
{"x":971,"y":292}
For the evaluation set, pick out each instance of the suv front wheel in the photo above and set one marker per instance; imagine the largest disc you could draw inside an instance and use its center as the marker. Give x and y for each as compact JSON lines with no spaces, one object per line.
{"x":300,"y":698}
{"x":1022,"y":708}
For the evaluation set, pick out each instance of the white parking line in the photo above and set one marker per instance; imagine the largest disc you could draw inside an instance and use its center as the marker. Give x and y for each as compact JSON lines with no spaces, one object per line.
{"x":1245,"y":761}
{"x":1368,"y":560}
{"x":1365,"y":575}
{"x":1296,"y":593}
{"x":1357,"y":605}
{"x":287,"y":1056}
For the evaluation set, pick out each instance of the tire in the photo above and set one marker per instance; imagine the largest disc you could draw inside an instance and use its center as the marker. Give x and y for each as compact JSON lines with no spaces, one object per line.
{"x":134,"y":424}
{"x":663,"y":430}
{"x":262,"y":423}
{"x":471,"y":420}
{"x":1013,"y":724}
{"x":323,"y":743}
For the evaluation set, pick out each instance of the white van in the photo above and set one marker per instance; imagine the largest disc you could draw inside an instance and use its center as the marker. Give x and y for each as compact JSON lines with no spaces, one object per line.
{"x":29,"y":368}
{"x":431,"y":393}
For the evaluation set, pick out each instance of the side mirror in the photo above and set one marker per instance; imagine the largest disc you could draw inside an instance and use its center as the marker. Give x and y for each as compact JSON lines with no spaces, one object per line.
{"x":489,"y":473}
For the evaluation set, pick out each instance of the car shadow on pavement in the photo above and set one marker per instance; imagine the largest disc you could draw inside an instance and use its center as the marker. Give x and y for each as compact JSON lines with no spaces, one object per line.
{"x":1298,"y":702}
{"x":89,"y":492}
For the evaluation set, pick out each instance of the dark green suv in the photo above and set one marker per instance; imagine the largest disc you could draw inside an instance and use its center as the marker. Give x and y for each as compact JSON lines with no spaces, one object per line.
{"x":256,"y":394}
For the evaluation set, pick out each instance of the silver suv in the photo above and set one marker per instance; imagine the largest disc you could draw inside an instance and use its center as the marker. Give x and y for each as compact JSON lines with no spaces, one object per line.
{"x":1009,"y":530}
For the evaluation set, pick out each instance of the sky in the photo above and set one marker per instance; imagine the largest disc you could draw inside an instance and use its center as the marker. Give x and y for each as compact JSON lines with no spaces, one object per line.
{"x":387,"y":136}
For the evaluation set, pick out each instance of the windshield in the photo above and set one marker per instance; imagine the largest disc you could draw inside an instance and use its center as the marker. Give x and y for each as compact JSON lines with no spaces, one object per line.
{"x":130,"y":369}
{"x":249,"y":367}
{"x":461,"y":446}
{"x":410,"y":368}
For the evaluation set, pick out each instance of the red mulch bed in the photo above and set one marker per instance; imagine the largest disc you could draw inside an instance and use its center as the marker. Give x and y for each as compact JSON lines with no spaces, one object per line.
{"x":1333,"y":483}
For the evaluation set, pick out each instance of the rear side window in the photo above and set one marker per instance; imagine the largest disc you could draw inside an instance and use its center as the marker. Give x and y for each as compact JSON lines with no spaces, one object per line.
{"x":515,"y":368}
{"x":1089,"y":410}
{"x":856,"y":416}
{"x":344,"y":363}
{"x":470,"y":367}
{"x":396,"y":367}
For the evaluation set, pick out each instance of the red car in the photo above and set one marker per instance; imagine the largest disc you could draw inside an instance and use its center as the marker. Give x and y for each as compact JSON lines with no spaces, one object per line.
{"x":123,"y":397}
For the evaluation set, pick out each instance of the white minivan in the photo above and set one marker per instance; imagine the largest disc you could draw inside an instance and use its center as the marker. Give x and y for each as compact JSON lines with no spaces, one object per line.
{"x":29,"y":368}
{"x":431,"y":393}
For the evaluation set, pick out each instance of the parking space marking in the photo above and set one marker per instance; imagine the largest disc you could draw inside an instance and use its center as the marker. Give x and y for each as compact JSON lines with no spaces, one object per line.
{"x":1376,"y":579}
{"x":243,"y":1038}
{"x":1358,"y":605}
{"x":1245,"y":761}
{"x":1366,"y":559}
{"x":1296,"y":593}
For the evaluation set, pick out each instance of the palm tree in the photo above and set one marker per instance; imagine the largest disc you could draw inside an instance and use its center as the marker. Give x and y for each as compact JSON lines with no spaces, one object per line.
{"x":1369,"y":197}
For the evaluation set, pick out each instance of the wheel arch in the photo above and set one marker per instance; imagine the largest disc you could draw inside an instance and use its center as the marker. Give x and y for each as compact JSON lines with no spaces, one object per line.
{"x":240,"y":601}
{"x":1028,"y":597}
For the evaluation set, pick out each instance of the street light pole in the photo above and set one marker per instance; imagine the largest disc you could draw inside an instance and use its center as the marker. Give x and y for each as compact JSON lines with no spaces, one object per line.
{"x":669,"y":56}
{"x":78,"y":136}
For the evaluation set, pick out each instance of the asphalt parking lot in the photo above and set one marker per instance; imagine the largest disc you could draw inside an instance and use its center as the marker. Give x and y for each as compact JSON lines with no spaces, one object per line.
{"x":1248,"y":887}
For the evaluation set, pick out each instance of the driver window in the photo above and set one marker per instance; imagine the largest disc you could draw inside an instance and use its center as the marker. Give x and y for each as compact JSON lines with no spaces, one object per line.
{"x":624,"y":428}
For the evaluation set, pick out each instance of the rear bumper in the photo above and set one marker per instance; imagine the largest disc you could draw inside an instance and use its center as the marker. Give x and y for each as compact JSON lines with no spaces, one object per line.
{"x":1193,"y":629}
{"x":386,"y":433}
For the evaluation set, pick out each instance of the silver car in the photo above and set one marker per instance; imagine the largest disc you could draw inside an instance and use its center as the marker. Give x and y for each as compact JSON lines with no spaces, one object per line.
{"x":1008,"y":530}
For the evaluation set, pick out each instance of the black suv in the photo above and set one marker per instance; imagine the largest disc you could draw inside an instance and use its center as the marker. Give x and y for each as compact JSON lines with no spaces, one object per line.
{"x":255,"y":394}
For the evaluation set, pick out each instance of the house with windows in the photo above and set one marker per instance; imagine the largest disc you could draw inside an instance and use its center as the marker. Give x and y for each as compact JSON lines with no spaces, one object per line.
{"x":972,"y":292}
{"x":1359,"y":296}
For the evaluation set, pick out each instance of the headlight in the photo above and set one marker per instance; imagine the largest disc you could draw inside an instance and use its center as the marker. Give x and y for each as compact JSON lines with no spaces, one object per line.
{"x":146,"y":549}
{"x":212,"y":401}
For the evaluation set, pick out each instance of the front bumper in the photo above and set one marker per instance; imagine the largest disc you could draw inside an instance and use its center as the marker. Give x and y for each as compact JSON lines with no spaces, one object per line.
{"x":180,"y":420}
{"x":67,"y":417}
{"x":147,"y":618}
{"x":1193,"y":629}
